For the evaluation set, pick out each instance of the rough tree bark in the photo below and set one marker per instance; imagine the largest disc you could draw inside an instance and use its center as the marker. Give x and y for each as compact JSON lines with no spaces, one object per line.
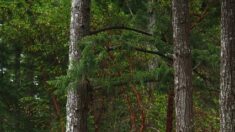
{"x":227,"y":71}
{"x":182,"y":66}
{"x":76,"y":107}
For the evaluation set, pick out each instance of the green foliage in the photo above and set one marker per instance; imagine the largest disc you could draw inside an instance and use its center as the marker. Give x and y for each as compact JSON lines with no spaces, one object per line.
{"x":39,"y":32}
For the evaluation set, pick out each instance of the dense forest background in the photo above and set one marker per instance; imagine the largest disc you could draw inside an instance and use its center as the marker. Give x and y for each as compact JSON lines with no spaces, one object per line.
{"x":129,"y":68}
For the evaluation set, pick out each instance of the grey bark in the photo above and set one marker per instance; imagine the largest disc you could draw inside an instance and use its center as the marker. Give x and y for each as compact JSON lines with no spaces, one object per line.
{"x":227,"y":71}
{"x":152,"y":16}
{"x":76,"y":106}
{"x":153,"y":62}
{"x":182,"y":66}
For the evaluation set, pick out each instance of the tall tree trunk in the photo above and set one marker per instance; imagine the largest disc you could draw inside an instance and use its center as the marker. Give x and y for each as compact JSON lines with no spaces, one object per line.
{"x":76,"y":107}
{"x":153,"y":62}
{"x":227,"y":71}
{"x":170,"y":111}
{"x":182,"y":66}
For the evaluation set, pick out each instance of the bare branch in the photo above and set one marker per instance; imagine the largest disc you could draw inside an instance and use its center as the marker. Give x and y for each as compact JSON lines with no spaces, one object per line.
{"x":119,"y":28}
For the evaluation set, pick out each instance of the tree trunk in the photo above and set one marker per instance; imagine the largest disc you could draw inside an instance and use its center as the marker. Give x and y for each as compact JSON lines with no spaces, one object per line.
{"x":76,"y":107}
{"x":152,"y":16}
{"x":170,"y":111}
{"x":182,"y":66}
{"x":227,"y":71}
{"x":153,"y":62}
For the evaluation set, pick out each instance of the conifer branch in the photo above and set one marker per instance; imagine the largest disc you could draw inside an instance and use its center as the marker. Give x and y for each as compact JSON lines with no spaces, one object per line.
{"x":153,"y":52}
{"x":144,"y":51}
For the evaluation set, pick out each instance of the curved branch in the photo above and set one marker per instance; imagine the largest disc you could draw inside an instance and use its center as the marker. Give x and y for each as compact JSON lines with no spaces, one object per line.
{"x":170,"y":60}
{"x":119,"y":28}
{"x":153,"y":52}
{"x":144,"y":51}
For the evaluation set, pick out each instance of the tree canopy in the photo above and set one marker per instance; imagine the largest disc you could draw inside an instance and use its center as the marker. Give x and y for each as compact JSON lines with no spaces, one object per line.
{"x":126,"y":59}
